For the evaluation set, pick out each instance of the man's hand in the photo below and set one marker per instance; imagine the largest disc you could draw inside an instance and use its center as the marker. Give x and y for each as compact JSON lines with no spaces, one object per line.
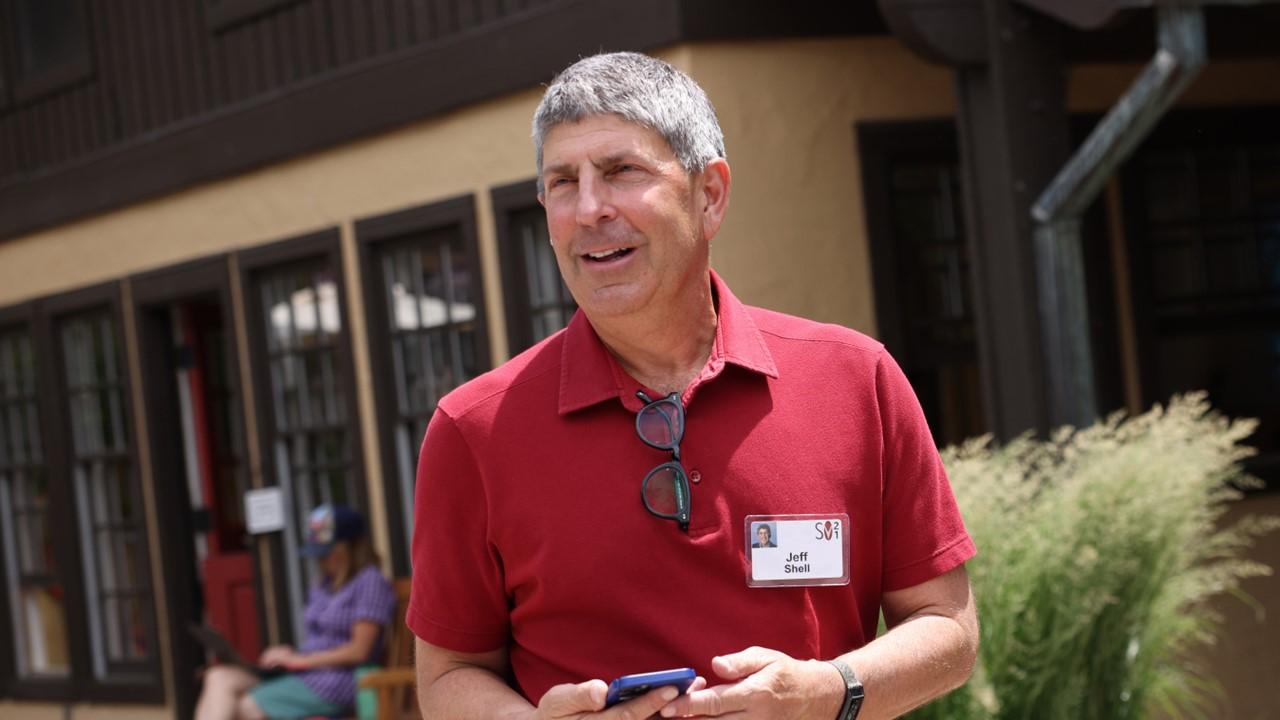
{"x":769,"y":684}
{"x":586,"y":700}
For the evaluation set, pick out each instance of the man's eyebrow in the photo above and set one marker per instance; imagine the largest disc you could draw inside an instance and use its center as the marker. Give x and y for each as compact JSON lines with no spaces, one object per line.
{"x":604,"y":162}
{"x":557,"y":169}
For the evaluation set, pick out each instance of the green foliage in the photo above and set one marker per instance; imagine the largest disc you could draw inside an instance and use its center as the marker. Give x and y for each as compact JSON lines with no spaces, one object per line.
{"x":1096,"y":552}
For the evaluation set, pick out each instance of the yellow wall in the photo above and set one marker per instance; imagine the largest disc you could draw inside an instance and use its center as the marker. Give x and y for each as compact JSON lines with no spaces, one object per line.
{"x":795,"y":239}
{"x":48,"y":711}
{"x":1246,"y":658}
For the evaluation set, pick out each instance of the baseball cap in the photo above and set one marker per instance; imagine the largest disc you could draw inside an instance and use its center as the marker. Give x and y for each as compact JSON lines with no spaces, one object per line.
{"x":327,"y":525}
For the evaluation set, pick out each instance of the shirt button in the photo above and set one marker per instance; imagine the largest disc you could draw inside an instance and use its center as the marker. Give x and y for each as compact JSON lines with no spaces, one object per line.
{"x":695,"y":477}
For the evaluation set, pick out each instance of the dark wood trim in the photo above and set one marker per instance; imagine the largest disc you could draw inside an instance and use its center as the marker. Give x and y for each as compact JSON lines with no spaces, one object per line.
{"x":324,"y":245}
{"x":153,"y":292}
{"x":53,"y":311}
{"x":508,"y":200}
{"x":370,"y":233}
{"x":508,"y":55}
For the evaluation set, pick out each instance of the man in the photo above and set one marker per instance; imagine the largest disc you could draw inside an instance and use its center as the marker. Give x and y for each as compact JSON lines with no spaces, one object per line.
{"x":538,"y":577}
{"x":764,"y":537}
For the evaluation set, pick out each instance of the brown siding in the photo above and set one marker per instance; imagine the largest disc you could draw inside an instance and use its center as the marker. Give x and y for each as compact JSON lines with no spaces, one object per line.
{"x":159,"y":62}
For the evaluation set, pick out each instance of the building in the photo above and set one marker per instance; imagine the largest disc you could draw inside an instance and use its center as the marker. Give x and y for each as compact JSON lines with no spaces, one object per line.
{"x":246,"y":244}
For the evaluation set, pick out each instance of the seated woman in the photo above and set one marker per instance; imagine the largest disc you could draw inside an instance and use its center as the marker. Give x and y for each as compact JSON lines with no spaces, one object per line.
{"x":344,"y":617}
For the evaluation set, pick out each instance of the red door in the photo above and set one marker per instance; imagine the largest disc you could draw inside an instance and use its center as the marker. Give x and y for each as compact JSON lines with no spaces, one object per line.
{"x":213,"y":442}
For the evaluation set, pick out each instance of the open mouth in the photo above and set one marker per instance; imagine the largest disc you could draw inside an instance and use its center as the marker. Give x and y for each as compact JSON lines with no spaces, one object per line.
{"x":608,"y":255}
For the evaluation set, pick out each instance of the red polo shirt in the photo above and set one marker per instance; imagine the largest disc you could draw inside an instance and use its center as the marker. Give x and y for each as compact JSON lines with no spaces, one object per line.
{"x":530,"y":532}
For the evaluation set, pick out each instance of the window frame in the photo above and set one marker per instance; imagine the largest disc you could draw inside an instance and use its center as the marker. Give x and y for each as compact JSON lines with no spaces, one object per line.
{"x":43,"y":317}
{"x":326,"y":246}
{"x":507,"y":201}
{"x":372,"y":234}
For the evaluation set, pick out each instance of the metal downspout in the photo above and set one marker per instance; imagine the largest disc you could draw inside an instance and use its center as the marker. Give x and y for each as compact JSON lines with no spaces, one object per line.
{"x":1180,"y":56}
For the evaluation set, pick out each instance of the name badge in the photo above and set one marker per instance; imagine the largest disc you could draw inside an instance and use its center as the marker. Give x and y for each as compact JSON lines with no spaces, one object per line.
{"x":789,"y":550}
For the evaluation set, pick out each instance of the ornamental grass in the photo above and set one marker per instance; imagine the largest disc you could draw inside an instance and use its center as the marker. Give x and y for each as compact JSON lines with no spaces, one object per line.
{"x":1097,"y":552}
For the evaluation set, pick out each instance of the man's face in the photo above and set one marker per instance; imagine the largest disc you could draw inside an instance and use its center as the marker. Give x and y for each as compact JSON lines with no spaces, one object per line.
{"x":624,"y":216}
{"x":762,"y":533}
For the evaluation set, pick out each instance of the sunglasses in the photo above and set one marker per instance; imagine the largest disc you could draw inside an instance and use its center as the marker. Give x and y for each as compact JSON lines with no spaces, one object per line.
{"x":665,"y":490}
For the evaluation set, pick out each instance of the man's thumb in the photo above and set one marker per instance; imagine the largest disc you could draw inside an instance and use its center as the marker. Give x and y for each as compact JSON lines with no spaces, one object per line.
{"x":570,"y":699}
{"x":741,"y":664}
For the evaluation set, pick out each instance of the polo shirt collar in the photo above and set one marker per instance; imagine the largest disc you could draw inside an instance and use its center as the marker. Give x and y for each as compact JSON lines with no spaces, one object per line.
{"x":589,"y":374}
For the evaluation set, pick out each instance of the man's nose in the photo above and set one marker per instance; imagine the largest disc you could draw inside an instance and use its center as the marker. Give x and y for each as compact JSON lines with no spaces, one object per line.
{"x":595,"y":204}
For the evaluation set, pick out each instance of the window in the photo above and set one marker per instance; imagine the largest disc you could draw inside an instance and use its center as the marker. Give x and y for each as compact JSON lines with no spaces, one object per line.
{"x":111,"y":523}
{"x":424,"y":297}
{"x":311,"y":443}
{"x":78,"y":620}
{"x":920,"y":258}
{"x":37,"y":595}
{"x":538,"y":303}
{"x":1203,"y":201}
{"x":308,"y":422}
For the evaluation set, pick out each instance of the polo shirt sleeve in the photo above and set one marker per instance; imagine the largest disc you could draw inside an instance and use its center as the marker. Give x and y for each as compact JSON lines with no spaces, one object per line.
{"x":458,"y":599}
{"x":924,"y":535}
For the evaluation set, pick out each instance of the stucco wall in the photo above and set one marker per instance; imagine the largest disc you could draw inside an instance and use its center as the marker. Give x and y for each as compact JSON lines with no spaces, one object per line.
{"x":795,"y":239}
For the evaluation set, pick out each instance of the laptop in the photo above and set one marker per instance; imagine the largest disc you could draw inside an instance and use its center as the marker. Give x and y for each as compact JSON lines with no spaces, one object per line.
{"x":214,"y":642}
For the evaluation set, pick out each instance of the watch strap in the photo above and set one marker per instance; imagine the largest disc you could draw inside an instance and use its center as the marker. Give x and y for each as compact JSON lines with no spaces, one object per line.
{"x":853,"y":692}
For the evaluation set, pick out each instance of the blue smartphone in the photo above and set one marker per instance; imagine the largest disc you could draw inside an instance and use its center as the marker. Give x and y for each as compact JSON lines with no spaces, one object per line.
{"x":632,"y":686}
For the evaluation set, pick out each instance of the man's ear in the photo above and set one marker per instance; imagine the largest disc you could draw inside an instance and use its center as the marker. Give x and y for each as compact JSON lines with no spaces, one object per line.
{"x":714,"y":196}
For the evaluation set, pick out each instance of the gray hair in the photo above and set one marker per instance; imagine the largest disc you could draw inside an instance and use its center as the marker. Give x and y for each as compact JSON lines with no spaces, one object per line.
{"x":639,"y":89}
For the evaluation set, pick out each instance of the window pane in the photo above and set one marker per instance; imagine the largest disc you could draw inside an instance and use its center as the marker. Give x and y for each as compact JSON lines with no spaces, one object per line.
{"x":41,"y":620}
{"x":1177,"y":262}
{"x":126,"y":636}
{"x":1265,"y":181}
{"x":1170,"y":186}
{"x":110,"y":517}
{"x":1232,"y":260}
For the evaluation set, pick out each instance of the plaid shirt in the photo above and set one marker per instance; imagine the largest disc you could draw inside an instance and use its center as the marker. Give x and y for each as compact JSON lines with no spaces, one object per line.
{"x":329,"y":619}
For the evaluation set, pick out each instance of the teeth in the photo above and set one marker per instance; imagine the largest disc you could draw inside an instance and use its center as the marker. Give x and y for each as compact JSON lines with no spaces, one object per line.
{"x":605,"y":254}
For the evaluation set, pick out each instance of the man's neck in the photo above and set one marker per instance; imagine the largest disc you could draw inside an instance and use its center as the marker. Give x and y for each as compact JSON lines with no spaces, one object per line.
{"x":664,"y":349}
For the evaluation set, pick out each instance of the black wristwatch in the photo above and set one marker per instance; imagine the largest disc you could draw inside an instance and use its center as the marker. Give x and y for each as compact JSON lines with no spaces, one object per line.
{"x":852,"y":691}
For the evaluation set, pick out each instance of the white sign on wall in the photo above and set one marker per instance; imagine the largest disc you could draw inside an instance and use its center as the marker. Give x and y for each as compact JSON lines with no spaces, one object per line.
{"x":264,"y":510}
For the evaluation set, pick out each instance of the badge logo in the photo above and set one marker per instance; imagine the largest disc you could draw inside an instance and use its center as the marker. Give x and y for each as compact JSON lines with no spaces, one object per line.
{"x":827,"y":530}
